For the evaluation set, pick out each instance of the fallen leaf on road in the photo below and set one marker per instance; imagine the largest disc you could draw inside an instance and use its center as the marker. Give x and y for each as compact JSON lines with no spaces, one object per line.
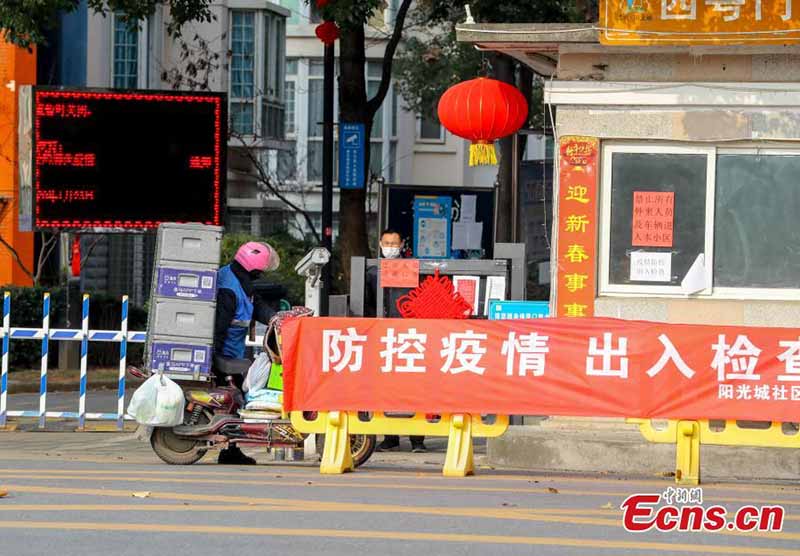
{"x":3,"y":493}
{"x":552,"y":490}
{"x":665,"y":474}
{"x":607,"y":506}
{"x":506,"y":504}
{"x":143,"y":494}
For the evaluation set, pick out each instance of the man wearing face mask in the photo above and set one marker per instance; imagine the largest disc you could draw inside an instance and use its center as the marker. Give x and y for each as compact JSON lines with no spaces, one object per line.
{"x":391,"y":248}
{"x":237,"y":307}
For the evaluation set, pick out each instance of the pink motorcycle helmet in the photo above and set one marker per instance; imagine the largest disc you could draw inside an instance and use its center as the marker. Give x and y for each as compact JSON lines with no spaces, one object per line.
{"x":257,"y":256}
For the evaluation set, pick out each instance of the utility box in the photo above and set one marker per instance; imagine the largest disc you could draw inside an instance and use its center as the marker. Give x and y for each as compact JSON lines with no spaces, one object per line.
{"x":180,"y":328}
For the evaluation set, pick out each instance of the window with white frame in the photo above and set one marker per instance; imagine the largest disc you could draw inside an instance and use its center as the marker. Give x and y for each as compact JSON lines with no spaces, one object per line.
{"x":256,"y":73}
{"x":665,"y":205}
{"x":315,"y":106}
{"x":290,"y":92}
{"x":125,"y":54}
{"x":429,"y":130}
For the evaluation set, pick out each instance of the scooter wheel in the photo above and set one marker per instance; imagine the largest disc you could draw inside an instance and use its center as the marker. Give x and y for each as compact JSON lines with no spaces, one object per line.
{"x":173,"y":449}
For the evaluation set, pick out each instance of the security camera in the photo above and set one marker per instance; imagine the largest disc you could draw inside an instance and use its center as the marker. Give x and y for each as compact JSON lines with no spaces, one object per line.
{"x":312,"y":262}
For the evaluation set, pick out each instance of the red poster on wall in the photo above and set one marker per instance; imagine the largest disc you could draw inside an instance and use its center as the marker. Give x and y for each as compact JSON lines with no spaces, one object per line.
{"x":575,"y":367}
{"x":577,"y":226}
{"x":653,"y":217}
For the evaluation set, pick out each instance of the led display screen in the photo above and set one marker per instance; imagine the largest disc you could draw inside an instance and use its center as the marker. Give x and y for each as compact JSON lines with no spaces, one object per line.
{"x":117,"y":160}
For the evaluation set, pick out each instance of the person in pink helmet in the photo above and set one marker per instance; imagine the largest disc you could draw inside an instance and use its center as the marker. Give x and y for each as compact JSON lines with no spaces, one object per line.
{"x":237,"y":307}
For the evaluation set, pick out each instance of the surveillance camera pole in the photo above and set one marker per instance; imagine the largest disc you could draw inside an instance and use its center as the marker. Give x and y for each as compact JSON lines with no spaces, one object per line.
{"x":327,"y":174}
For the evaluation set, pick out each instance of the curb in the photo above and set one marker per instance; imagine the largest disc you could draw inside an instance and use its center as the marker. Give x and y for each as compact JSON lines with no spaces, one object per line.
{"x":622,"y":450}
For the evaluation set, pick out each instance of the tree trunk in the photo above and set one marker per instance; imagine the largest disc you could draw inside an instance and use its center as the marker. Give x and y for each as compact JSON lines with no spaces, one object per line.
{"x":353,"y":240}
{"x":504,"y":71}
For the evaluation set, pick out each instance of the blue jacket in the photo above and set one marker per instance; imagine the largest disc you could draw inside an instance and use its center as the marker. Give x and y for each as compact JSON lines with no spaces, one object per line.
{"x":233,"y":345}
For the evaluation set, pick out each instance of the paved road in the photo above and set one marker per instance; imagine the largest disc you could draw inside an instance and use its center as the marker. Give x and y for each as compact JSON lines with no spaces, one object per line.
{"x":97,"y":401}
{"x":74,"y":494}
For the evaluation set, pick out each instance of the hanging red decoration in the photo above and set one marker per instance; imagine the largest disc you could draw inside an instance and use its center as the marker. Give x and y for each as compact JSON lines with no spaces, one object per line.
{"x":327,"y":32}
{"x":435,"y":298}
{"x":482,"y":110}
{"x":75,"y":258}
{"x":322,"y":3}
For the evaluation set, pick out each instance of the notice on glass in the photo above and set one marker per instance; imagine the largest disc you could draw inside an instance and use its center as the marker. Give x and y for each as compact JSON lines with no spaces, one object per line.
{"x":399,"y":273}
{"x":495,"y":289}
{"x":432,"y":237}
{"x":469,"y":205}
{"x":469,"y":288}
{"x":651,"y":267}
{"x":653,"y":218}
{"x":467,"y":235}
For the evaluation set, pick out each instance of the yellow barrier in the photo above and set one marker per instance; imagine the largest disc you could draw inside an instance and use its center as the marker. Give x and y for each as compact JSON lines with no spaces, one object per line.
{"x":689,"y":435}
{"x":337,"y":426}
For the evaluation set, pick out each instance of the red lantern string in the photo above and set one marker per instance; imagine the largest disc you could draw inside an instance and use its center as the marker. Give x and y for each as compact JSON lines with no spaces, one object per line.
{"x":482,"y":110}
{"x":327,"y":32}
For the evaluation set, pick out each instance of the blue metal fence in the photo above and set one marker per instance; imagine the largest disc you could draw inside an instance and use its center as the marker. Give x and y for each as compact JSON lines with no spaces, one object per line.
{"x":46,"y":334}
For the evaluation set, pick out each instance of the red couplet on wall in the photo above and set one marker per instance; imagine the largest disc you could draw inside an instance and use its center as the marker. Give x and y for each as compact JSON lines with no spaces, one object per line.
{"x":563,"y":366}
{"x":577,"y":226}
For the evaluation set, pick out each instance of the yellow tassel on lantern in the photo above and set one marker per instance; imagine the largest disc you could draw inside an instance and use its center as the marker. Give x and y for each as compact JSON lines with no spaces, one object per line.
{"x":482,"y":153}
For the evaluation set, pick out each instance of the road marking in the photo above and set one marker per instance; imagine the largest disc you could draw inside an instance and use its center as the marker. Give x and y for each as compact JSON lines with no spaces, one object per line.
{"x":555,"y":515}
{"x":374,"y":485}
{"x":407,"y":536}
{"x":371,"y":475}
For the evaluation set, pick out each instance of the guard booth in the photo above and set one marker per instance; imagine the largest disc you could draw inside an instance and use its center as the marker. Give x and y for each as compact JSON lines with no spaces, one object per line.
{"x":502,"y":278}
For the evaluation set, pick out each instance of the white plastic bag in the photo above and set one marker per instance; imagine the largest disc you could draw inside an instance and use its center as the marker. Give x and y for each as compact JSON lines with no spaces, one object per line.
{"x":158,"y":402}
{"x":258,"y":374}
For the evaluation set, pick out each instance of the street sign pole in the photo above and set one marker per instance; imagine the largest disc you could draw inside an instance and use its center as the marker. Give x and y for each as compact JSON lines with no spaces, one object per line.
{"x":327,"y":174}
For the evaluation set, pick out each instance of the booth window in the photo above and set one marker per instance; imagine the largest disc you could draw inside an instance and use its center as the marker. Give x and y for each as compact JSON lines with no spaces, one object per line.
{"x":664,"y":206}
{"x":757,"y":236}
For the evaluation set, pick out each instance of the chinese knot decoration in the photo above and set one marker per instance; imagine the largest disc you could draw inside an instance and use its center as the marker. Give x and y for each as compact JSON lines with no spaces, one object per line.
{"x":435,"y":298}
{"x":327,"y":32}
{"x":482,"y":110}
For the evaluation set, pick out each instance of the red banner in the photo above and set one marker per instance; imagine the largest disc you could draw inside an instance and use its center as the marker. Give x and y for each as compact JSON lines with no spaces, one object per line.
{"x":573,"y":367}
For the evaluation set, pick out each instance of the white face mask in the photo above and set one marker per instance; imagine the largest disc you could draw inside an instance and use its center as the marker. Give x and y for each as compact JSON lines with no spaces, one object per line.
{"x":391,"y":252}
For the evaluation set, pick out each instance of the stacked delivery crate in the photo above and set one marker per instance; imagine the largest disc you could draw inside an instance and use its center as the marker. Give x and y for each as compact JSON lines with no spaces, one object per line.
{"x":180,"y":328}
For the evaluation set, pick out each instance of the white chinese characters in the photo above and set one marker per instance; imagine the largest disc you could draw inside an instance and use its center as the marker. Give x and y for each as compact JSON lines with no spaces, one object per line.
{"x":406,"y":348}
{"x":467,"y":349}
{"x":525,"y":353}
{"x":608,"y":355}
{"x":342,"y":351}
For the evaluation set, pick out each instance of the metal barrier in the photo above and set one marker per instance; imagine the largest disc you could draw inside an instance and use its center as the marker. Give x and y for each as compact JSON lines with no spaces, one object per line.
{"x":46,"y":334}
{"x":337,"y":426}
{"x":689,"y":435}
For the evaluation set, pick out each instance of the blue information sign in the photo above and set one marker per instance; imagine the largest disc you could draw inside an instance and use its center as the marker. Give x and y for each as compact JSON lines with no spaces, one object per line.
{"x":352,"y":142}
{"x":510,"y":310}
{"x":432,"y":221}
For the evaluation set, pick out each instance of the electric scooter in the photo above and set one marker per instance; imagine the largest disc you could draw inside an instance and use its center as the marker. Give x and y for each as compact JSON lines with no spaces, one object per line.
{"x":215,"y":417}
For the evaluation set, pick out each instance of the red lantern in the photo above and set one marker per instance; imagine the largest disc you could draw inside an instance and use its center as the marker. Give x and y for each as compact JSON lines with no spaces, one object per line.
{"x":482,"y":110}
{"x":322,"y":3}
{"x":327,"y":32}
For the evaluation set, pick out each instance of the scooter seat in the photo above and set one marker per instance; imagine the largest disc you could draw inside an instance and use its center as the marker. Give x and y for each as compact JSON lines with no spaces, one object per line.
{"x":228,"y":366}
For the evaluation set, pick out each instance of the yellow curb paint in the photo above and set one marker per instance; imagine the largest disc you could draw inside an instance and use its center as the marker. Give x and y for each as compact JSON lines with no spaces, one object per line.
{"x":391,"y":486}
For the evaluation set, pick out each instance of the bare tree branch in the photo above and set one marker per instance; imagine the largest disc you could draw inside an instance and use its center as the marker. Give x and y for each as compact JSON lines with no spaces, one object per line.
{"x":374,"y":104}
{"x":266,"y":181}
